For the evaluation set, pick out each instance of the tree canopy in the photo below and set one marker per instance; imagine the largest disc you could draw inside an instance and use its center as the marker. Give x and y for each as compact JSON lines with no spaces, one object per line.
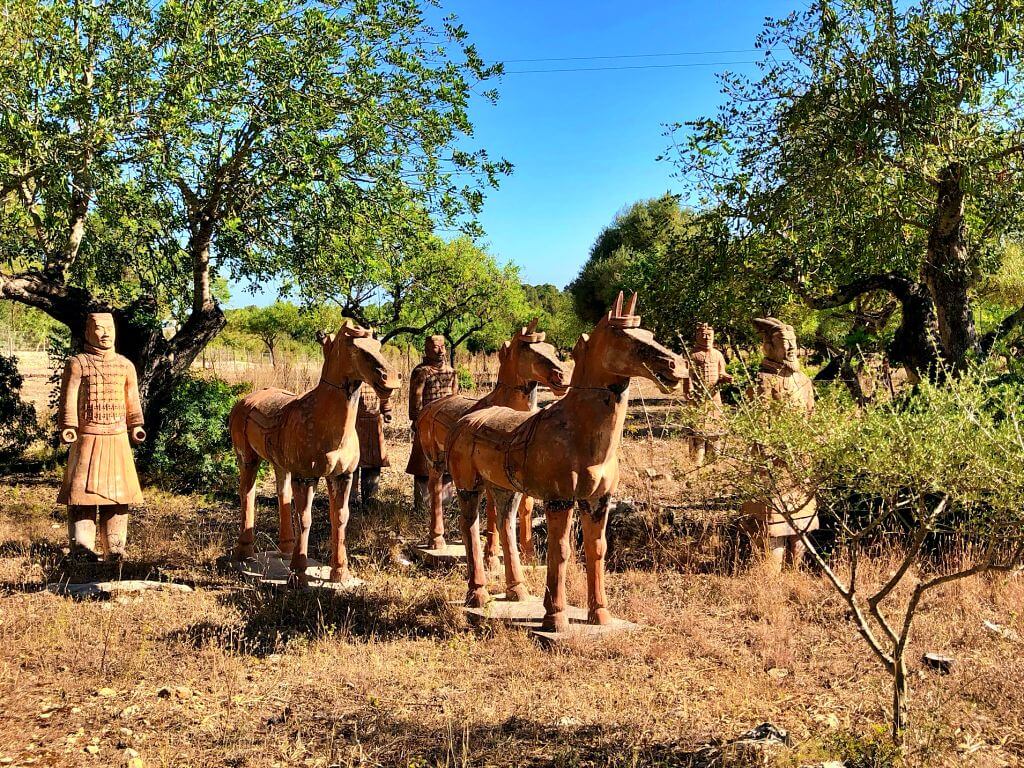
{"x":879,"y":149}
{"x":148,"y":149}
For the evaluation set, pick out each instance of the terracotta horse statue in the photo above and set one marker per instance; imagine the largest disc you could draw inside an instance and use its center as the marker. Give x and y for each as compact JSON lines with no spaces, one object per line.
{"x":525,"y":361}
{"x":564,"y":454}
{"x":305,"y":438}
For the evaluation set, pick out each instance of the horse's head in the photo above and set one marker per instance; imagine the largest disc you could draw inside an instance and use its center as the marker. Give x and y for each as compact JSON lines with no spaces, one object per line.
{"x":619,"y":347}
{"x":353,"y":354}
{"x":530,"y":359}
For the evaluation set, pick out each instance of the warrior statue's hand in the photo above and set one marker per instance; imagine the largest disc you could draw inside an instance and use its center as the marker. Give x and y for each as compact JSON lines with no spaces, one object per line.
{"x":138,"y":435}
{"x":69,"y":435}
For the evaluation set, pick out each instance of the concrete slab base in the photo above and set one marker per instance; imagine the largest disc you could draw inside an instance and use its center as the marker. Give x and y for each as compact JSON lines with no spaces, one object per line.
{"x":105,"y":589}
{"x":271,"y":569}
{"x":529,"y":615}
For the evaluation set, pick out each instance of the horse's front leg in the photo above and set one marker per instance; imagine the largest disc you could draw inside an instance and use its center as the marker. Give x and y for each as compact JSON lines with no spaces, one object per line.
{"x":339,"y":489}
{"x":506,"y":504}
{"x":469,"y":523}
{"x":302,"y":492}
{"x":435,"y":492}
{"x":594,"y":516}
{"x":526,"y":550}
{"x":248,"y":468}
{"x":559,"y":517}
{"x":285,"y":531}
{"x":491,"y":562}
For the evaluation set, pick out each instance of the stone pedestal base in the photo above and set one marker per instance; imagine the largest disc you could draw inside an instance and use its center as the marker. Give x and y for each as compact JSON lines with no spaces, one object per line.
{"x":271,"y":569}
{"x":529,"y":614}
{"x":106,"y":589}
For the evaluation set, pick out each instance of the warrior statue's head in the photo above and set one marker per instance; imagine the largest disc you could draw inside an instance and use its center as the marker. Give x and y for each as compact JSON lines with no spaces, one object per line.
{"x":704,"y":336}
{"x":778,"y":342}
{"x":99,"y":330}
{"x":433,"y":350}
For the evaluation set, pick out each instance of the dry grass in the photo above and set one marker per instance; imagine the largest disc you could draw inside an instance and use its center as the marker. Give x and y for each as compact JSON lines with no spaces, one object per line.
{"x":392,"y":676}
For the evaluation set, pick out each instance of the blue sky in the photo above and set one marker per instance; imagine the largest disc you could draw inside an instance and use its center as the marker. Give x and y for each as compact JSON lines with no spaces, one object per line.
{"x":584,"y":143}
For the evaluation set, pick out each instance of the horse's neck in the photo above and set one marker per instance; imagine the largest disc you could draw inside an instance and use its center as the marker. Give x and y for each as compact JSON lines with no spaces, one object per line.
{"x":511,"y":391}
{"x":597,"y":415}
{"x":335,"y":405}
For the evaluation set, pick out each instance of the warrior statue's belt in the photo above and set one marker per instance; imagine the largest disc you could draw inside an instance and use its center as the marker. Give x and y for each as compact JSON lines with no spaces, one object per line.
{"x":103,"y":429}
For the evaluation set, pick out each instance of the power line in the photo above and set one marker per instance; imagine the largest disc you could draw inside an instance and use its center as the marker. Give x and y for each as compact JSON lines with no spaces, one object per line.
{"x":628,"y":56}
{"x":634,"y":66}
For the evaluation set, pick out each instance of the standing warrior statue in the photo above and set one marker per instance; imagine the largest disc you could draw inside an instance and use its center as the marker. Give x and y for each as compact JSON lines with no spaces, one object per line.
{"x":99,"y":409}
{"x":431,"y":380}
{"x":373,"y":414}
{"x":706,"y":375}
{"x":780,"y":379}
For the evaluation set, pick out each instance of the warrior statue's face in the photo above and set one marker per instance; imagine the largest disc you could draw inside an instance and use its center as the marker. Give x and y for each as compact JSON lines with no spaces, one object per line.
{"x":99,"y":330}
{"x":434,"y":348}
{"x":705,"y":337}
{"x":782,"y":348}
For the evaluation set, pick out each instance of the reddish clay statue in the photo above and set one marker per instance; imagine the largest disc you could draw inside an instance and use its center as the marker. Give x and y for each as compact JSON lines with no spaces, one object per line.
{"x":701,"y":387}
{"x":564,"y":454}
{"x":431,"y":380}
{"x":306,"y":438}
{"x":99,"y":410}
{"x":373,"y":451}
{"x":780,"y":380}
{"x":524,"y":362}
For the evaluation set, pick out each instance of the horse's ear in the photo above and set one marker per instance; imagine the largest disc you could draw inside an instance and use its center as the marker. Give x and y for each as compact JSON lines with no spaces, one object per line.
{"x":503,"y":350}
{"x":532,"y":327}
{"x":617,"y":311}
{"x":632,"y":305}
{"x":581,"y":344}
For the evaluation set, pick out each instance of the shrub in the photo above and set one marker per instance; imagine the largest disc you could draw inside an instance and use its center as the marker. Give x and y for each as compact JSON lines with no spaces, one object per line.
{"x":193,"y":451}
{"x":945,"y":463}
{"x":18,"y":425}
{"x":466,"y":382}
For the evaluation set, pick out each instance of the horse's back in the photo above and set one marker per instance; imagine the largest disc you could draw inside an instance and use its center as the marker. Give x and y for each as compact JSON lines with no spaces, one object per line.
{"x":262,"y":409}
{"x":478,"y":442}
{"x":437,"y":420}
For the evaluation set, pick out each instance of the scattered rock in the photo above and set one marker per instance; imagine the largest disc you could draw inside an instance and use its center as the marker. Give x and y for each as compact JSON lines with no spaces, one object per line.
{"x":778,"y":673}
{"x":567,"y":722}
{"x":93,"y":749}
{"x":1000,"y":631}
{"x":766,"y":733}
{"x":938,"y":662}
{"x":106,"y":693}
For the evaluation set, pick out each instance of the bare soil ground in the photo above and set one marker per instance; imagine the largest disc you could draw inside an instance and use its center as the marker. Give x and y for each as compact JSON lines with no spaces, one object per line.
{"x":391,"y":674}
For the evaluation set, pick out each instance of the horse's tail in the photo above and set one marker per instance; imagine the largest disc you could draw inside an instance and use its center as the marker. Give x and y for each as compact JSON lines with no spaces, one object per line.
{"x":237,"y":422}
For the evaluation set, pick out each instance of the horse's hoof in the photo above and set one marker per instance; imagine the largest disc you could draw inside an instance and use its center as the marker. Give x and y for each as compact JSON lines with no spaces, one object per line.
{"x":599,"y":616}
{"x":492,"y":564}
{"x":243,"y":552}
{"x":518,"y":593}
{"x":555,"y":622}
{"x":298,"y":580}
{"x":340,"y":575}
{"x":477,"y":598}
{"x":286,"y":547}
{"x":436,"y":542}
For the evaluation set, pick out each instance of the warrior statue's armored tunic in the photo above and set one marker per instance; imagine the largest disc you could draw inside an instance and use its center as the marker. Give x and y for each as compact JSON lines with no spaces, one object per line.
{"x":99,"y":410}
{"x":431,"y":380}
{"x":701,"y":387}
{"x":780,"y":379}
{"x":373,"y":452}
{"x":100,"y":399}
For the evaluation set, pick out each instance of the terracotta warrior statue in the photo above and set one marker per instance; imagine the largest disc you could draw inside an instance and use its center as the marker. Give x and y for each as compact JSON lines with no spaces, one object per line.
{"x":373,"y":414}
{"x":780,"y":379}
{"x":701,"y":387}
{"x":431,"y":380}
{"x":99,"y":411}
